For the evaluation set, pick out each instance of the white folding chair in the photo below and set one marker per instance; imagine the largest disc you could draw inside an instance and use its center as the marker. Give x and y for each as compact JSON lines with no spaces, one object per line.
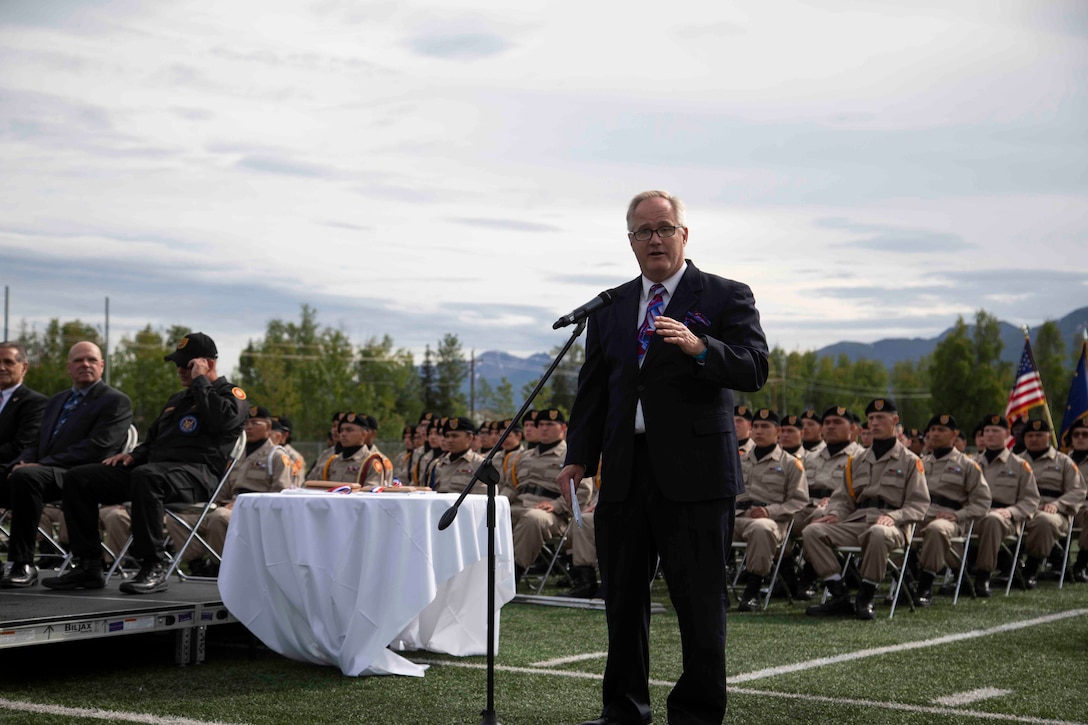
{"x":780,"y":555}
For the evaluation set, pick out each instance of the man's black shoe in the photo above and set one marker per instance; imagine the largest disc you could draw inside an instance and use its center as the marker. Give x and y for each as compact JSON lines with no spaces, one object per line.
{"x":19,"y":576}
{"x":82,"y":577}
{"x":1031,"y":572}
{"x":1080,"y":575}
{"x":749,"y":600}
{"x":982,"y":586}
{"x":151,"y":579}
{"x":924,"y":595}
{"x":863,"y":603}
{"x":833,"y":606}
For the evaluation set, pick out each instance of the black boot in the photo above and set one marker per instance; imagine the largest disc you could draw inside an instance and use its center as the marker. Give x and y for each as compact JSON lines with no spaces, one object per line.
{"x":585,"y":583}
{"x":87,"y":575}
{"x":519,"y":572}
{"x":1031,"y":572}
{"x":863,"y":606}
{"x":749,"y":600}
{"x":982,"y":585}
{"x":837,"y":603}
{"x":924,"y":597}
{"x":1080,"y":567}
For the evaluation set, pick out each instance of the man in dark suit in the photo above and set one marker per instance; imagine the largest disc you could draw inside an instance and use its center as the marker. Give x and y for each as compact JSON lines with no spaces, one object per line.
{"x":20,"y":407}
{"x":655,"y":398}
{"x":84,"y":424}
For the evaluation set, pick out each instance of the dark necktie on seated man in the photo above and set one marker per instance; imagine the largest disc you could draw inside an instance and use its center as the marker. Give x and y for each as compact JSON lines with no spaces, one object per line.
{"x":66,"y":411}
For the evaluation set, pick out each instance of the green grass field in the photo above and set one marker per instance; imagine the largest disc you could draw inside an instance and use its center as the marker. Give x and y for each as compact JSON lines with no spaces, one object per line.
{"x":1024,"y":656}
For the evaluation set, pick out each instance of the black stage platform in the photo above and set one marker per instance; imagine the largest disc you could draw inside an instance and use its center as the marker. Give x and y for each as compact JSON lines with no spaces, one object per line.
{"x":37,"y":615}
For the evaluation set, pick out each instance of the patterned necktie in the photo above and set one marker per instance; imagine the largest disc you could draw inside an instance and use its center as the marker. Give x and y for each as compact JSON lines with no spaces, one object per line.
{"x":653,"y":308}
{"x":69,"y":405}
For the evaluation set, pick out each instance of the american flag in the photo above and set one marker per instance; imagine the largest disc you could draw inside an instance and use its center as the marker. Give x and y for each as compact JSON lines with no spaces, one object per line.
{"x":1027,"y":391}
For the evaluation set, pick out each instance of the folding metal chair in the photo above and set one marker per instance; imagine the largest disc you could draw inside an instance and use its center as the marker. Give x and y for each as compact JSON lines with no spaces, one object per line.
{"x":175,"y":511}
{"x":1070,"y":535}
{"x":780,"y":556}
{"x":898,"y":571}
{"x":556,"y":550}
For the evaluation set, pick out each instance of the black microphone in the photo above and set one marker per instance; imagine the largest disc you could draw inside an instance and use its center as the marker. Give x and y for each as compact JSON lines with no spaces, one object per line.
{"x":604,"y":299}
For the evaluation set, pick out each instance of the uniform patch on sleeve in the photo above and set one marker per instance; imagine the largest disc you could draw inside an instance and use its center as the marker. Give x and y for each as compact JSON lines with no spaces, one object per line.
{"x":919,"y":466}
{"x":238,"y":393}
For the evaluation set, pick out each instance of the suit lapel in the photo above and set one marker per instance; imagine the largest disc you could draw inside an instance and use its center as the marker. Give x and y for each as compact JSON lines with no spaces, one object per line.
{"x":686,"y":296}
{"x":626,"y":309}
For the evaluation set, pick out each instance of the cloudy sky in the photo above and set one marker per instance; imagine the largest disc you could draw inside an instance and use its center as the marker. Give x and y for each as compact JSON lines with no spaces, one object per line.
{"x":870,"y":169}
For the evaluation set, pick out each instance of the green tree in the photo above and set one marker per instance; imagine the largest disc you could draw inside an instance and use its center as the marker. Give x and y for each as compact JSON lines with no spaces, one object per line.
{"x":451,"y":372}
{"x":967,"y":376}
{"x":428,"y":386}
{"x":47,"y":352}
{"x":1050,"y":355}
{"x":910,"y":390}
{"x":140,"y":372}
{"x":386,"y":378}
{"x":563,"y":384}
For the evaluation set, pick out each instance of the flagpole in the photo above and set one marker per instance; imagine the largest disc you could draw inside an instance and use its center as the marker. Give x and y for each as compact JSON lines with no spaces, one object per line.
{"x":1046,"y":403}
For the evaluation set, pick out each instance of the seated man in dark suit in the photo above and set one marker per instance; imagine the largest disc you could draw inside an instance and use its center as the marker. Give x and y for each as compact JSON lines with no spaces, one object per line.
{"x":84,"y":424}
{"x":182,"y":460}
{"x":20,"y":407}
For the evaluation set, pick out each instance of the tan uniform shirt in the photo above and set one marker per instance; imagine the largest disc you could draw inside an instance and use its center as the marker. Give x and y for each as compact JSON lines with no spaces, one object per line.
{"x":1059,"y":481}
{"x":362,"y":467}
{"x":825,"y":471}
{"x":298,"y":465}
{"x":402,"y":466}
{"x":532,"y":480}
{"x":452,"y":475}
{"x":812,"y":451}
{"x":314,"y":474}
{"x":896,"y":483}
{"x":956,"y":486}
{"x":1012,"y":485}
{"x":777,"y":482}
{"x":265,"y":470}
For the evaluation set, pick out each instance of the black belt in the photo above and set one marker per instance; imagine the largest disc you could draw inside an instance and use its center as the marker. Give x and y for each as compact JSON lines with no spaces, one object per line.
{"x":874,"y":503}
{"x":820,"y":492}
{"x":745,"y":505}
{"x":948,"y":503}
{"x":538,"y":491}
{"x":995,"y":504}
{"x":1052,"y":492}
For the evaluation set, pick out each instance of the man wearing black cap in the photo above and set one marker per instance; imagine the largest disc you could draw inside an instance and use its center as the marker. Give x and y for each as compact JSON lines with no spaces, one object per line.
{"x":958,"y":494}
{"x":537,"y":508}
{"x":742,"y":422}
{"x":1077,"y":437}
{"x":333,"y":449}
{"x":281,"y":436}
{"x":775,"y":489}
{"x":884,"y":490}
{"x":264,"y":468}
{"x":356,"y":462}
{"x":812,"y":431}
{"x":423,"y":452}
{"x":402,"y":464}
{"x":181,"y":460}
{"x":1061,"y":494}
{"x":455,"y":469}
{"x":511,"y":446}
{"x":1015,"y":496}
{"x":790,"y":432}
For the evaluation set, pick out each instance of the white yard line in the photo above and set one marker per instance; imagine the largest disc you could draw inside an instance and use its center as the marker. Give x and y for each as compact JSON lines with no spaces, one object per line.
{"x":903,"y":647}
{"x":568,"y":660}
{"x":966,"y":698}
{"x":111,"y":715}
{"x":905,"y":708}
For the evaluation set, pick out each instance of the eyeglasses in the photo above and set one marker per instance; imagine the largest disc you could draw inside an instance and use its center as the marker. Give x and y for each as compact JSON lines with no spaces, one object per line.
{"x":645,"y":235}
{"x":1079,"y":434}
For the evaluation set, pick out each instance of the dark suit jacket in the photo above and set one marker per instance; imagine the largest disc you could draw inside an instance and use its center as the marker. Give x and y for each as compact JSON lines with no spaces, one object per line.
{"x":95,"y":430}
{"x":19,"y":423}
{"x":688,"y":407}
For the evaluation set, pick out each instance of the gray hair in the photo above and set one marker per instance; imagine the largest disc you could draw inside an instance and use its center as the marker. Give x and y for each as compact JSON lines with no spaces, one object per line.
{"x":20,"y":351}
{"x":674,"y":202}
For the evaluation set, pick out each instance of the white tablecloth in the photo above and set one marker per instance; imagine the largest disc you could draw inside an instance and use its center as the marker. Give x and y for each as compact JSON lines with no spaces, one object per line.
{"x":338,"y":579}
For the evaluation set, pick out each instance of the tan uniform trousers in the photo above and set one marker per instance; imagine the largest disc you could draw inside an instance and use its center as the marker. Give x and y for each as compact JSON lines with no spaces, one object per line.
{"x":763,"y":537}
{"x":937,"y":544}
{"x":53,"y":520}
{"x":1043,"y":531}
{"x":116,"y":522}
{"x":213,"y":529}
{"x":583,"y":544}
{"x":876,"y":543}
{"x":532,"y":529}
{"x":991,"y":529}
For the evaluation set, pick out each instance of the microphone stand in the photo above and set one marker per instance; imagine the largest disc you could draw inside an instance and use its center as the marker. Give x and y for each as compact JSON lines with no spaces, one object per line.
{"x":486,"y":472}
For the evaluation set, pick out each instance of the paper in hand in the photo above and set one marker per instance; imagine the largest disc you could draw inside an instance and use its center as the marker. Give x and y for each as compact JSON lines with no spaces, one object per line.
{"x":574,"y":505}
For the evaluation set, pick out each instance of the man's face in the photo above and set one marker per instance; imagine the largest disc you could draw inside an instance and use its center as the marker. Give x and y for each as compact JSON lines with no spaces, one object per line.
{"x":940,"y":436}
{"x":811,"y":431}
{"x":512,"y":441}
{"x":12,"y":371}
{"x":882,"y":424}
{"x":458,"y":441}
{"x":994,"y":437}
{"x":407,"y":440}
{"x":549,"y":431}
{"x":531,"y":433}
{"x":418,"y":436}
{"x":865,"y":437}
{"x":434,"y":436}
{"x":257,"y":429}
{"x":352,"y":435}
{"x":836,"y":430}
{"x":658,"y":258}
{"x":1080,"y":439}
{"x":279,"y":437}
{"x":1037,"y":441}
{"x":789,"y":437}
{"x":764,"y":433}
{"x":743,"y":427}
{"x":85,"y":364}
